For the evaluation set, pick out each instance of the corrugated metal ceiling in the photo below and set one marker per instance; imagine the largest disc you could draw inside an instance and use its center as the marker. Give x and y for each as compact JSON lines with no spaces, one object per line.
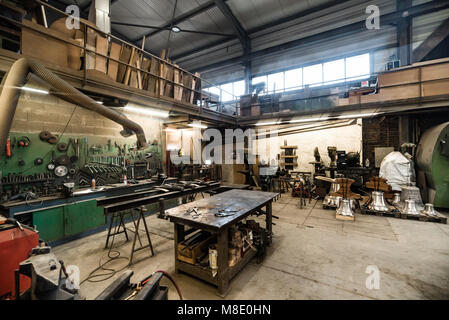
{"x":250,"y":13}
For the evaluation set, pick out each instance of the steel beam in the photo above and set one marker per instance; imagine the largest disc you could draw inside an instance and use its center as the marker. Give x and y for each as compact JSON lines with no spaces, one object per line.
{"x":404,"y":33}
{"x":390,"y":18}
{"x":181,"y":18}
{"x":438,"y":35}
{"x":238,"y":28}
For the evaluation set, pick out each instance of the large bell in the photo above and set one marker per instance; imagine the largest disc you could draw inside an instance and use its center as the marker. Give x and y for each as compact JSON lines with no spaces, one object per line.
{"x":345,"y":208}
{"x":410,"y":207}
{"x":429,"y":210}
{"x":411,"y":193}
{"x":378,"y":202}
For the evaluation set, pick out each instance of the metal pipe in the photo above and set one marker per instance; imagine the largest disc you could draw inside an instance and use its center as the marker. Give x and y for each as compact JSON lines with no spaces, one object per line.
{"x":15,"y":79}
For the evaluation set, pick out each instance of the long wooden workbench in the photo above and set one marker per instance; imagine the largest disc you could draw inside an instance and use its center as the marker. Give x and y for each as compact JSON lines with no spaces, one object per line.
{"x":241,"y":203}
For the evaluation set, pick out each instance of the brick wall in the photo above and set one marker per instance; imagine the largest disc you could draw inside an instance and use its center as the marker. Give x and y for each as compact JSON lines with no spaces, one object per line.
{"x":379,"y":132}
{"x":37,"y":112}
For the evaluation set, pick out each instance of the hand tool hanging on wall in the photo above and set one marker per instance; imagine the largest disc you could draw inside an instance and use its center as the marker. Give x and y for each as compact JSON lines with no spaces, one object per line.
{"x":24,"y":142}
{"x":8,"y":147}
{"x":51,"y":166}
{"x":62,"y":146}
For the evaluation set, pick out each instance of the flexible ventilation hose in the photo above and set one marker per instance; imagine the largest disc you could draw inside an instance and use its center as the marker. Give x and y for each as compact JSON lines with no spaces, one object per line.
{"x":15,"y":79}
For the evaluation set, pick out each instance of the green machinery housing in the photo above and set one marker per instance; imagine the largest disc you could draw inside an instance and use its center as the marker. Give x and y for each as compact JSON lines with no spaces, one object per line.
{"x":432,"y":157}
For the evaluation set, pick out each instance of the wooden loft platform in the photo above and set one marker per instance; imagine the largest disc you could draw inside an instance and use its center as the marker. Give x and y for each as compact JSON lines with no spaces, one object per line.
{"x":423,"y":85}
{"x":95,"y":83}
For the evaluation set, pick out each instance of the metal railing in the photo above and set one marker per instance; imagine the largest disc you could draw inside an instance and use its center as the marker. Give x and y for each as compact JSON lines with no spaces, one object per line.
{"x":199,"y":96}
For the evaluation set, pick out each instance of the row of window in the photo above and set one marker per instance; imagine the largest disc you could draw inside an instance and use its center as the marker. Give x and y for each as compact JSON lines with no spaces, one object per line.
{"x":336,"y":71}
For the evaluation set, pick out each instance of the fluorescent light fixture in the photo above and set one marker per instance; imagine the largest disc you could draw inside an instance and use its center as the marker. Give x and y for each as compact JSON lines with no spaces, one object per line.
{"x":268,"y":123}
{"x":349,"y":116}
{"x":176,"y":29}
{"x":197,"y":125}
{"x":146,"y":111}
{"x":99,"y":102}
{"x":34,"y":90}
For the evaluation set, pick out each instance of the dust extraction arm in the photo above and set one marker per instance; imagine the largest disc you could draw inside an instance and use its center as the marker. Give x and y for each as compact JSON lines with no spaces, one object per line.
{"x":16,"y":78}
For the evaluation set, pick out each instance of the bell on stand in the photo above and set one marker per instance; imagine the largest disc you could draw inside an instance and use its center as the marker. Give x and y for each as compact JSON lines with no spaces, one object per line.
{"x":332,"y":201}
{"x":429,"y":210}
{"x":378,"y":202}
{"x":410,"y":208}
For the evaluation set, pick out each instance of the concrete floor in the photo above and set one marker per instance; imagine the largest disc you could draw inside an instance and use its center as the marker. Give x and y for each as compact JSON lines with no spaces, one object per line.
{"x":314,"y":256}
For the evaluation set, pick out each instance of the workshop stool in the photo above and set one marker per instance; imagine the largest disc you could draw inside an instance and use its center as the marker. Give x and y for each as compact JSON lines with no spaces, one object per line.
{"x":141,"y":216}
{"x":118,"y":218}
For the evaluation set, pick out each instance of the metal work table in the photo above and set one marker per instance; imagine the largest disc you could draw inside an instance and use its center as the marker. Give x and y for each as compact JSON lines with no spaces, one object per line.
{"x":244,"y":202}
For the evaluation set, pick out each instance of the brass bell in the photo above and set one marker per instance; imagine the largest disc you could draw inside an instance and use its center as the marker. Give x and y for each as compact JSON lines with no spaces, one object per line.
{"x":429,"y":210}
{"x":397,"y":198}
{"x":345,"y":208}
{"x":410,"y":207}
{"x":378,"y":202}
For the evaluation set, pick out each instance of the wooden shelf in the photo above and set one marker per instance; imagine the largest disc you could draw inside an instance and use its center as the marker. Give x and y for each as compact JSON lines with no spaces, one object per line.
{"x":289,"y":147}
{"x":284,"y":156}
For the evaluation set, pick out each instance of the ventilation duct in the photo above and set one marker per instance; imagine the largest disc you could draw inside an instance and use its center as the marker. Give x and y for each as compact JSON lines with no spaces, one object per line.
{"x":14,"y":80}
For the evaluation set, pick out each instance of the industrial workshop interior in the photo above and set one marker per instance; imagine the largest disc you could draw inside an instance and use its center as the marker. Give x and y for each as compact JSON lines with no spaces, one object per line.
{"x":224,"y":150}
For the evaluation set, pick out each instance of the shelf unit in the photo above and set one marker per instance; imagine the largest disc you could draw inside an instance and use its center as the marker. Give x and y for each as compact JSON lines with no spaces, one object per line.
{"x":288,"y":158}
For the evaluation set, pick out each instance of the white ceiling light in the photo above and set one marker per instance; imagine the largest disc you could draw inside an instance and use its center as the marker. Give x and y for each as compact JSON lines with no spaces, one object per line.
{"x":146,"y":111}
{"x":349,"y":116}
{"x":34,"y":90}
{"x":197,"y":125}
{"x":176,"y":29}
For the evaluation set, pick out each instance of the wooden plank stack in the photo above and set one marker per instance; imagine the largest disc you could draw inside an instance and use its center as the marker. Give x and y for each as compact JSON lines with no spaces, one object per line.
{"x":160,"y":77}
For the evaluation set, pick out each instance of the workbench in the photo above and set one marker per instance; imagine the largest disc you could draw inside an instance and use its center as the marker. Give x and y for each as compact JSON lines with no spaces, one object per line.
{"x":61,"y":218}
{"x":242,"y":203}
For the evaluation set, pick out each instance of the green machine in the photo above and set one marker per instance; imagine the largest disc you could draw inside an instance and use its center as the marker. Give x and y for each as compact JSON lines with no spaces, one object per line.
{"x":432,"y":158}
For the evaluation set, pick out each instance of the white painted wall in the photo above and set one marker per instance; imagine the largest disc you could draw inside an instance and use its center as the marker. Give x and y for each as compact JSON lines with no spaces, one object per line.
{"x":347,"y":138}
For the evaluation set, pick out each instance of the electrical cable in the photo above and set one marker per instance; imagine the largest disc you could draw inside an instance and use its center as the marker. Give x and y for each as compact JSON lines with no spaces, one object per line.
{"x":110,"y":271}
{"x":166,"y":274}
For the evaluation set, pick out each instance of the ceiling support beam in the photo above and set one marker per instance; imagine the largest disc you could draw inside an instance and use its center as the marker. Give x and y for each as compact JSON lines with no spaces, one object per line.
{"x":235,"y":23}
{"x":435,"y":38}
{"x":390,"y":18}
{"x":181,"y":18}
{"x":265,"y":26}
{"x":404,"y":34}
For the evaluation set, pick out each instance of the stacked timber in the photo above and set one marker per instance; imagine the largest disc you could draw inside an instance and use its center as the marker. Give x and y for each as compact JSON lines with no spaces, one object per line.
{"x":110,"y":59}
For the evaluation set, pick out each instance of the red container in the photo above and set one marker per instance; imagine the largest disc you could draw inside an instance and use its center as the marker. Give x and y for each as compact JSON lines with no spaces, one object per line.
{"x":15,"y":247}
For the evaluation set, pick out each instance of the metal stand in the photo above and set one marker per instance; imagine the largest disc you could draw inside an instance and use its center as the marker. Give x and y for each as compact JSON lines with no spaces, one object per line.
{"x":141,"y":217}
{"x":118,"y":217}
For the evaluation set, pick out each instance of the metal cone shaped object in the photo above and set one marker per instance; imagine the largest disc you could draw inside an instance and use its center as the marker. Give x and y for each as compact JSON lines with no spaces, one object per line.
{"x":397,"y":198}
{"x":410,"y":207}
{"x":345,"y":208}
{"x":378,"y":202}
{"x":429,"y":210}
